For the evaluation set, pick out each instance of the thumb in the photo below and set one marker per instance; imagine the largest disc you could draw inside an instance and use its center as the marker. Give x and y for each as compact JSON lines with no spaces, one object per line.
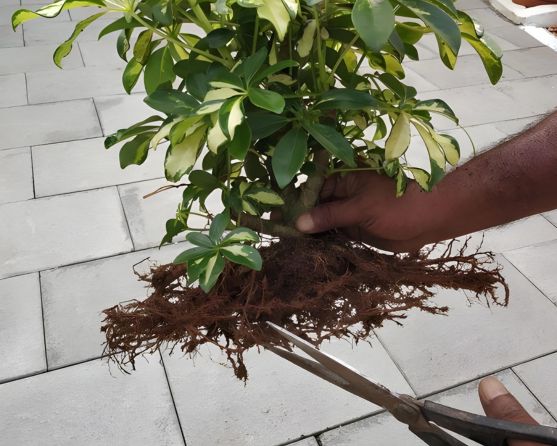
{"x":331,"y":215}
{"x":498,"y":403}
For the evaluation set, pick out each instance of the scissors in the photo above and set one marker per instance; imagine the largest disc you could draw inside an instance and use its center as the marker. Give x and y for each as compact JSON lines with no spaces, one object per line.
{"x":424,"y":418}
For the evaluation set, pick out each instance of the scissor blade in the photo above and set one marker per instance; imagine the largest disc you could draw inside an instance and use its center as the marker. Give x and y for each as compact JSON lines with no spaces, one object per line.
{"x":358,"y":383}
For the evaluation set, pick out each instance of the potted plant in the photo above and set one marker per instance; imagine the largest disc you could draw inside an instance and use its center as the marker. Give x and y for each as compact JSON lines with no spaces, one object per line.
{"x":282,"y":93}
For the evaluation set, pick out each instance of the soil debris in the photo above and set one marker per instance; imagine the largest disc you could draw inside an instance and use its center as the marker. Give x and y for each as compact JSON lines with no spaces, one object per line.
{"x":318,"y":288}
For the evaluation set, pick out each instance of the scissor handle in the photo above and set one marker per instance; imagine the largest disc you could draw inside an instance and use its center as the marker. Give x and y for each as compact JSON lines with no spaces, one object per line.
{"x":485,"y":430}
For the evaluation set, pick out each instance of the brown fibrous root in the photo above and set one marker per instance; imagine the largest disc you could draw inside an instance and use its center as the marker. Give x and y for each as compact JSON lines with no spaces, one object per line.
{"x":317,"y":288}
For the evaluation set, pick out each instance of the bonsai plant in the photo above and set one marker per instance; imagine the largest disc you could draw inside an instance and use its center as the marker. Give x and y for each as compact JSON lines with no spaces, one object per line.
{"x":260,"y":103}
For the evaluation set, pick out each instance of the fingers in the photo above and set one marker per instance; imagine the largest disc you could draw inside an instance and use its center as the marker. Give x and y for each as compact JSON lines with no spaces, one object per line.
{"x":331,"y":215}
{"x":499,"y":403}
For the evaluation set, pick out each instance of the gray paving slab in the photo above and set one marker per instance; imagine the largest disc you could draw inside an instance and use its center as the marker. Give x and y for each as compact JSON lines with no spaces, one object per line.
{"x":538,"y":263}
{"x":10,"y":38}
{"x":21,"y":327}
{"x":47,"y":32}
{"x":117,"y":112}
{"x":64,"y":85}
{"x":101,"y":53}
{"x":483,"y":104}
{"x":280,"y":401}
{"x":539,"y":377}
{"x":489,"y":18}
{"x":88,"y":405}
{"x":383,"y":429}
{"x":552,"y":217}
{"x":417,"y":81}
{"x":48,"y":123}
{"x":469,"y":70}
{"x":86,"y":164}
{"x":532,"y":62}
{"x":306,"y":442}
{"x":16,"y":175}
{"x":518,"y":234}
{"x":34,"y":58}
{"x":465,"y":5}
{"x":74,"y":297}
{"x":48,"y":232}
{"x":516,"y":126}
{"x":537,"y":94}
{"x":437,"y":352}
{"x":14,"y":91}
{"x":147,"y":217}
{"x":514,"y":35}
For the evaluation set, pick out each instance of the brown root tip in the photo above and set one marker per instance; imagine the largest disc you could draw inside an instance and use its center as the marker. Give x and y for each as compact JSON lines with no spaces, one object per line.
{"x":316,"y":288}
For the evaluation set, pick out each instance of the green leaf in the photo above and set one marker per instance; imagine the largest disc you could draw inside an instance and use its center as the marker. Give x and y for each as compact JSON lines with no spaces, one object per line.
{"x":348,"y":99}
{"x":251,"y":65}
{"x":488,"y":51}
{"x":131,"y":75}
{"x":135,"y":151}
{"x":374,"y":21}
{"x":51,"y":10}
{"x":187,"y":67}
{"x":436,"y":155}
{"x":275,"y":68}
{"x":158,"y":69}
{"x":218,"y":225}
{"x":275,"y":12}
{"x":404,"y":92}
{"x":401,"y":182}
{"x":171,"y":102}
{"x":398,"y":141}
{"x":239,"y":145}
{"x":240,"y":235}
{"x":289,"y":156}
{"x":436,"y":106}
{"x":181,"y":157}
{"x":203,"y":180}
{"x":217,"y":38}
{"x":450,"y":147}
{"x":173,"y":228}
{"x":264,"y":196}
{"x":142,"y":47}
{"x":199,"y":239}
{"x":267,"y":100}
{"x":192,"y":254}
{"x":438,"y":20}
{"x":123,"y":44}
{"x":213,"y":270}
{"x":333,"y":141}
{"x":420,"y":176}
{"x":117,"y":25}
{"x":305,"y":44}
{"x":65,"y":48}
{"x":133,"y":130}
{"x":231,"y":116}
{"x":263,"y":124}
{"x":244,"y":255}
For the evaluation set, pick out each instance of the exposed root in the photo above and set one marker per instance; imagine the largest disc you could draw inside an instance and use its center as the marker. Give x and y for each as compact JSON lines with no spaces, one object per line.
{"x":316,"y":288}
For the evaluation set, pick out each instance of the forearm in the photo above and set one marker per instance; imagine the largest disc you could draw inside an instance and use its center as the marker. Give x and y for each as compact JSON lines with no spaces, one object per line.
{"x":516,"y":179}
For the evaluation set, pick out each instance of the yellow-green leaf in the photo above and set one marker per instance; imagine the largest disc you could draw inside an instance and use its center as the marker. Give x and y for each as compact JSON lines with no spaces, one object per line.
{"x":275,"y":12}
{"x":305,"y":44}
{"x":51,"y":10}
{"x":398,"y":141}
{"x":181,"y":157}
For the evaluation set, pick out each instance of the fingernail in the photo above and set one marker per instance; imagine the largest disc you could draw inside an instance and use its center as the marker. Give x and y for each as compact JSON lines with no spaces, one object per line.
{"x":491,"y":388}
{"x":305,"y":223}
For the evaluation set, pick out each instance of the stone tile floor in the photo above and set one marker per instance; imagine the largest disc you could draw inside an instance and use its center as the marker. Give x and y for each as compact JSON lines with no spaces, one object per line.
{"x":73,"y":224}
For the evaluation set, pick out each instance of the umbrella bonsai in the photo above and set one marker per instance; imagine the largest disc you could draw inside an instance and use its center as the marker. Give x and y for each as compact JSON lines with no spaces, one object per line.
{"x":259,"y":101}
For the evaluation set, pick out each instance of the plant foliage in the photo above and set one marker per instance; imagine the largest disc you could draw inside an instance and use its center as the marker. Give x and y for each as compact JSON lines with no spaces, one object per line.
{"x":259,"y":100}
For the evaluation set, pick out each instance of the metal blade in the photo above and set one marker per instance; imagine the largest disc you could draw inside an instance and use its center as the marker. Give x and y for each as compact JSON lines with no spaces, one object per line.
{"x":358,"y":384}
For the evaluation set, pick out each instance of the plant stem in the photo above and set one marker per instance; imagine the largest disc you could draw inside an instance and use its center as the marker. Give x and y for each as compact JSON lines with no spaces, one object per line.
{"x":179,"y":42}
{"x":267,"y":226}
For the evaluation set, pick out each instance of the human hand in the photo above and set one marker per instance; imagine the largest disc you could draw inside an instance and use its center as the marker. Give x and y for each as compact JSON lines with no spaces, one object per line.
{"x":499,"y":403}
{"x":364,"y":206}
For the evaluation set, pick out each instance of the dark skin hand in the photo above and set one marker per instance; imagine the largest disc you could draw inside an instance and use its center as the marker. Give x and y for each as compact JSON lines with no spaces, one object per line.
{"x":499,"y":403}
{"x":516,"y":179}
